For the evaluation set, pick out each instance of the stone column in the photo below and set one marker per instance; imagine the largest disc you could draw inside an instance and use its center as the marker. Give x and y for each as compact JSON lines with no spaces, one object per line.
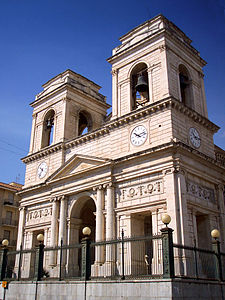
{"x":157,"y":267}
{"x":62,"y":231}
{"x":22,"y":211}
{"x":99,"y":233}
{"x":150,"y":90}
{"x":114,"y":93}
{"x":110,"y":217}
{"x":62,"y":220}
{"x":172,"y":202}
{"x":20,"y":237}
{"x":165,"y":88}
{"x":54,"y":229}
{"x":110,"y":230}
{"x":181,"y":192}
{"x":33,"y":134}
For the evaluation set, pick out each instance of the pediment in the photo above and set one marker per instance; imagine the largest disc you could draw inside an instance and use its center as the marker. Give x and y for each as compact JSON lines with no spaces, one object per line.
{"x":78,"y":164}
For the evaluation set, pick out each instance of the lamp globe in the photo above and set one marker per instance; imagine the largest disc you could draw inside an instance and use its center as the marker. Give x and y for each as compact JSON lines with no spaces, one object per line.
{"x":166,"y":219}
{"x":215,"y":234}
{"x":86,"y":231}
{"x":5,"y":242}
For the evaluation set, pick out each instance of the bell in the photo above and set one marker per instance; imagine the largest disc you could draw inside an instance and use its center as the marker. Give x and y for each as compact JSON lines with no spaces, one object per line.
{"x":141,"y":85}
{"x":49,"y":123}
{"x":183,"y":80}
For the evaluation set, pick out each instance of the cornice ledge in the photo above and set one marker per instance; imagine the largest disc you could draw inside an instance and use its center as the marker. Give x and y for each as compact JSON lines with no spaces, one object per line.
{"x":198,"y":153}
{"x":121,"y":121}
{"x":179,"y":106}
{"x":43,"y":152}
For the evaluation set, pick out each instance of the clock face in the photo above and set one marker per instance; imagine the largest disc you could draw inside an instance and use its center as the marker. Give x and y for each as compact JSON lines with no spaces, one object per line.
{"x":138,"y":135}
{"x":42,"y":170}
{"x":194,"y":137}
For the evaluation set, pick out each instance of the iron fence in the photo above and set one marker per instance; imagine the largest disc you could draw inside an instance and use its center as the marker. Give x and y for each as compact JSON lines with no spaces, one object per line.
{"x":122,"y":258}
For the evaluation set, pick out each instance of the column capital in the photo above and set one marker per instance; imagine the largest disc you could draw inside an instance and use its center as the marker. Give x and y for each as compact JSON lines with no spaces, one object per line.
{"x":114,"y":72}
{"x":22,"y":208}
{"x":108,"y":185}
{"x":98,"y":187}
{"x":174,"y":170}
{"x":220,"y":187}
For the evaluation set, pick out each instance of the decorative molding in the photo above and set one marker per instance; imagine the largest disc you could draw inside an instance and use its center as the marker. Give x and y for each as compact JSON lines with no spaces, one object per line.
{"x":38,"y":214}
{"x":141,"y":190}
{"x":141,"y":113}
{"x":114,"y":72}
{"x":200,"y":191}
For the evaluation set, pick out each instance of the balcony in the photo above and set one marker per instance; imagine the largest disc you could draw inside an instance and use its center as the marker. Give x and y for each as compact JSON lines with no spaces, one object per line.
{"x":9,"y":222}
{"x":11,"y":203}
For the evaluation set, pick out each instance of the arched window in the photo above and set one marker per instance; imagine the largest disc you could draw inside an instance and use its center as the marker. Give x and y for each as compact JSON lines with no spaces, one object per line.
{"x":185,"y":86}
{"x":139,"y":86}
{"x":85,"y":123}
{"x":48,"y":129}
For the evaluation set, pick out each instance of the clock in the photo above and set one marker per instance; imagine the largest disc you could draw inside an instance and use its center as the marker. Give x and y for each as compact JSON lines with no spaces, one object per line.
{"x":194,"y":137}
{"x":138,"y":135}
{"x":42,"y":170}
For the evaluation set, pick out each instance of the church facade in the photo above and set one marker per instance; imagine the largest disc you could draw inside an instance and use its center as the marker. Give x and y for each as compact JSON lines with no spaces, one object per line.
{"x":153,"y":154}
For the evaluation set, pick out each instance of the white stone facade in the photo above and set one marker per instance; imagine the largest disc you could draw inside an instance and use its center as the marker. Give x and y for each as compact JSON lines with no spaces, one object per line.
{"x":100,"y":179}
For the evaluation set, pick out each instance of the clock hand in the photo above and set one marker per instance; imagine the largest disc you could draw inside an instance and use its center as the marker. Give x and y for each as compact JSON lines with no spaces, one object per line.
{"x":137,"y":134}
{"x":143,"y":133}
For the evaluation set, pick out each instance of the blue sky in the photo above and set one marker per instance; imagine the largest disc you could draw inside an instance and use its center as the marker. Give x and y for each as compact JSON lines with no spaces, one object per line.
{"x":39,"y":39}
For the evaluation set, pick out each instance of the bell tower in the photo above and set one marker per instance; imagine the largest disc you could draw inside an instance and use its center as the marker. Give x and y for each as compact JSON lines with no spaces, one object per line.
{"x":156,"y":60}
{"x":69,"y":106}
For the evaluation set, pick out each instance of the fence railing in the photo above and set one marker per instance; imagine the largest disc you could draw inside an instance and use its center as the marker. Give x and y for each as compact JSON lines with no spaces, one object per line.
{"x":122,"y":258}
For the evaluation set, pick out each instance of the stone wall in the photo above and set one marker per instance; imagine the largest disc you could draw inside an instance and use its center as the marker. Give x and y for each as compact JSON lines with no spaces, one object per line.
{"x":113,"y":290}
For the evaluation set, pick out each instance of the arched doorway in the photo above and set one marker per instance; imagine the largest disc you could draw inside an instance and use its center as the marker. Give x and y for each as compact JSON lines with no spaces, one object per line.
{"x":82,"y":214}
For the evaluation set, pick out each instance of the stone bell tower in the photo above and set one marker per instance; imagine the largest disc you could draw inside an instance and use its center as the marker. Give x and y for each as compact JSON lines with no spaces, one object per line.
{"x":156,"y":62}
{"x":160,"y":55}
{"x":69,"y":106}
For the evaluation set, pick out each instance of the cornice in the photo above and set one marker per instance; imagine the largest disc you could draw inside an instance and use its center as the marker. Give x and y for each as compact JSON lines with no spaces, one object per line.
{"x":129,"y":118}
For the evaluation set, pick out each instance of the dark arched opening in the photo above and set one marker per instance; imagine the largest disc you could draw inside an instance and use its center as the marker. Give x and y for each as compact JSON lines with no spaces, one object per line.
{"x":139,"y":86}
{"x":48,"y":129}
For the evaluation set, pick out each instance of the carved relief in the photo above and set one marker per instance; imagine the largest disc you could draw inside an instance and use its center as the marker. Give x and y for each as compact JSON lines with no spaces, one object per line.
{"x":38,"y":214}
{"x":201,"y":192}
{"x":137,"y":191}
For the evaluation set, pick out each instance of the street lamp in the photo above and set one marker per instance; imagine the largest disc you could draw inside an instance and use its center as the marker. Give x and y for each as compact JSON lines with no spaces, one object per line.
{"x":5,"y":243}
{"x":215,"y":234}
{"x":40,"y":238}
{"x":86,"y":231}
{"x":166,"y":219}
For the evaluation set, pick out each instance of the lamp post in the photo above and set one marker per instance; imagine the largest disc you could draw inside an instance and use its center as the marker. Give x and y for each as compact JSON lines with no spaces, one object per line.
{"x":167,"y":248}
{"x":86,"y":254}
{"x":3,"y":258}
{"x":215,"y":234}
{"x":39,"y":257}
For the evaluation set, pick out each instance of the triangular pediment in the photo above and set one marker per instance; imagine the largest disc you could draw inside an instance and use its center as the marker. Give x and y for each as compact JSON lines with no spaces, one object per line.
{"x":78,"y":164}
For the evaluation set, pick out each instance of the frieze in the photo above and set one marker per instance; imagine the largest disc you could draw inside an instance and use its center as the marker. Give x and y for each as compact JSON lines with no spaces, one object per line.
{"x":200,"y":191}
{"x":39,"y":214}
{"x":142,"y":190}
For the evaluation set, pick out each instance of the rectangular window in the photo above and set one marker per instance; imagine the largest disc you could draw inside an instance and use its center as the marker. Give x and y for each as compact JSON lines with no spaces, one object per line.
{"x":6,"y":235}
{"x":8,"y":218}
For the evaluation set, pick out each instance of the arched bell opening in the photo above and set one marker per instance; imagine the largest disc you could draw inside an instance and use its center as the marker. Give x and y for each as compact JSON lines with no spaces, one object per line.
{"x":82,"y":215}
{"x":185,"y":87}
{"x":139,"y":86}
{"x":48,"y":129}
{"x":84,"y":123}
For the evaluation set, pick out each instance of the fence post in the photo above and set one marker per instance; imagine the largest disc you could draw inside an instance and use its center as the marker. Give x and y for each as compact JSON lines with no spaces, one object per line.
{"x":218,"y":263}
{"x":86,"y":258}
{"x":3,"y":262}
{"x":122,"y":244}
{"x":167,"y":250}
{"x":39,"y":259}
